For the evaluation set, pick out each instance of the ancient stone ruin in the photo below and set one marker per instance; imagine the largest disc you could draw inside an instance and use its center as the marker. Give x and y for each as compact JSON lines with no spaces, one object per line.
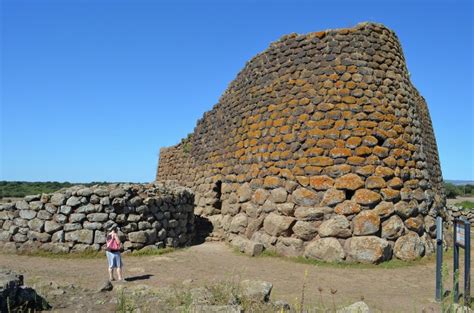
{"x":77,"y":218}
{"x":320,"y":147}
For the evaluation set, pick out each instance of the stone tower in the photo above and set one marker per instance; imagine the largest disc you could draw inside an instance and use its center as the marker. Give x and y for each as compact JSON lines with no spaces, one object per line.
{"x":321,"y":147}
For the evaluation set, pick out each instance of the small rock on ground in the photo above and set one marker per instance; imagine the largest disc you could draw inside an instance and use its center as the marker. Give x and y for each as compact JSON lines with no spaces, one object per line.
{"x":107,"y":286}
{"x":358,"y":307}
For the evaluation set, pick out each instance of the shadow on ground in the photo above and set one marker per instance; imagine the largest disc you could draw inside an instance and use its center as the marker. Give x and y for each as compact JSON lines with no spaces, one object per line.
{"x":140,"y":277}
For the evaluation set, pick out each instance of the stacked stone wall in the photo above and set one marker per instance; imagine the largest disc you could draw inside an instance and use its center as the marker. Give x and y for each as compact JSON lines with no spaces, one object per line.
{"x":78,"y":218}
{"x":321,"y":147}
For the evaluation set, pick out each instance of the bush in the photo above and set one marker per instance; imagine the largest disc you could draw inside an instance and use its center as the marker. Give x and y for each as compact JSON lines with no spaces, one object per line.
{"x":19,"y":189}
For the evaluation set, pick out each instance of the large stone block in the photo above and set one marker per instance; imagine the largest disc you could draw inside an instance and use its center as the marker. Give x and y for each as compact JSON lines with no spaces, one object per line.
{"x":325,"y":249}
{"x":409,"y":247}
{"x":368,"y":249}
{"x":85,"y":236}
{"x":276,"y":225}
{"x":337,"y":226}
{"x":366,"y":223}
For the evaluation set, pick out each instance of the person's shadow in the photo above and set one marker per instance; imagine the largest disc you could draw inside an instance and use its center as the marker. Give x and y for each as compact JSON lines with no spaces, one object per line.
{"x":140,"y":277}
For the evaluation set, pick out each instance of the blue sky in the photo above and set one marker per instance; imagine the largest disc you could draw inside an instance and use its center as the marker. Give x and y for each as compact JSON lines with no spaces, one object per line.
{"x":90,"y":90}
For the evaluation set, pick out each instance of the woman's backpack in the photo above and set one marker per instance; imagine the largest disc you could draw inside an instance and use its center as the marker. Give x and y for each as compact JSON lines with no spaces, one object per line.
{"x":113,"y":244}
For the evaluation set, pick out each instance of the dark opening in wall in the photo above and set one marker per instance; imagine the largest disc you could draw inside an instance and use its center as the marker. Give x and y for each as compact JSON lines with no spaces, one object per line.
{"x":218,"y":190}
{"x":349,"y":194}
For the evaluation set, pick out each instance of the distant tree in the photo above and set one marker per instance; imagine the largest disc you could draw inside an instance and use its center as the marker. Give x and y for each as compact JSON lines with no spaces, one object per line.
{"x":452,"y":191}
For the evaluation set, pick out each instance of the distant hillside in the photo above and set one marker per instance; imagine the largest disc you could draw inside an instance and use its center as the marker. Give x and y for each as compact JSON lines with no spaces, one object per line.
{"x":459,"y":182}
{"x":18,"y":189}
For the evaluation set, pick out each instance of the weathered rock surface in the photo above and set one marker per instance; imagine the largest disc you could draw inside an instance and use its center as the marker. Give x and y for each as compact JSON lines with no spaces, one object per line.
{"x":368,"y":249}
{"x":409,"y":247}
{"x":255,"y":289}
{"x":147,"y":214}
{"x":325,"y":249}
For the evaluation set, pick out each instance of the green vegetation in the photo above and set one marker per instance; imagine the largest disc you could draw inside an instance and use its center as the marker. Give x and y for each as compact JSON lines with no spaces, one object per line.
{"x":467,"y":205}
{"x":86,"y":254}
{"x":19,"y":189}
{"x":391,"y":264}
{"x":92,"y":254}
{"x":150,"y":252}
{"x":453,"y":191}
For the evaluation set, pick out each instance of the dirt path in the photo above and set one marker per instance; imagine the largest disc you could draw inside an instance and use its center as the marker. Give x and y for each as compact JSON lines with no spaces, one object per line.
{"x":405,"y":289}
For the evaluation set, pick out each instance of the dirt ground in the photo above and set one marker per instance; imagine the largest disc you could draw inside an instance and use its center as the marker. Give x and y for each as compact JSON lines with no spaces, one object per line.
{"x":402,"y":289}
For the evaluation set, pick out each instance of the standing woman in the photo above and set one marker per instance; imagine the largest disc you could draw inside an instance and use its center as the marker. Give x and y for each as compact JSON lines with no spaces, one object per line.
{"x":113,"y":254}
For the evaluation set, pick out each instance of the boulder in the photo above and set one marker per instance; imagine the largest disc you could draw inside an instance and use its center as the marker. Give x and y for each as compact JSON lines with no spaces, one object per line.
{"x":30,"y":198}
{"x":366,"y":223}
{"x":77,"y":217}
{"x":84,"y":192}
{"x":337,"y":226}
{"x":82,"y":236}
{"x":349,"y":182}
{"x":139,"y":237}
{"x":348,"y":207}
{"x":92,"y":225}
{"x":44,"y":215}
{"x":333,"y":196}
{"x":98,"y":217}
{"x":358,"y":307}
{"x":325,"y":249}
{"x":106,"y":286}
{"x":73,"y":201}
{"x":393,"y":228}
{"x":51,"y":227}
{"x":415,"y":224}
{"x":72,"y":226}
{"x":57,"y":199}
{"x":55,"y":247}
{"x":368,"y":249}
{"x":28,"y":214}
{"x":278,"y":195}
{"x":322,"y":182}
{"x":305,"y":230}
{"x":286,"y":208}
{"x":244,"y":192}
{"x":409,"y":247}
{"x":384,"y":209}
{"x":290,"y":247}
{"x":305,"y":197}
{"x":36,"y":225}
{"x":117,"y":193}
{"x":366,"y":197}
{"x":428,"y":243}
{"x":207,"y":308}
{"x":256,"y":290}
{"x":277,"y":225}
{"x":239,"y":223}
{"x":405,"y":209}
{"x":38,"y":236}
{"x":247,"y":246}
{"x":22,"y":205}
{"x":375,"y":182}
{"x":36,"y":205}
{"x":311,"y":213}
{"x":260,"y":196}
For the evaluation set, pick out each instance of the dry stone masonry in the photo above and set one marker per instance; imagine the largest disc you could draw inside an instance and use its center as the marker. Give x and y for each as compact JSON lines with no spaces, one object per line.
{"x":77,"y":219}
{"x":320,"y":147}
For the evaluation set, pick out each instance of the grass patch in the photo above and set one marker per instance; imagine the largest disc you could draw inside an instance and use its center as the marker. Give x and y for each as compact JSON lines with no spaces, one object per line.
{"x":90,"y":254}
{"x":391,"y":264}
{"x":151,"y":252}
{"x":87,"y":254}
{"x":466,"y":205}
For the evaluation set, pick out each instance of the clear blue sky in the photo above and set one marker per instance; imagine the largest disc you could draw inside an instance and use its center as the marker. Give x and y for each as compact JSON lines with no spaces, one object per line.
{"x":90,"y":90}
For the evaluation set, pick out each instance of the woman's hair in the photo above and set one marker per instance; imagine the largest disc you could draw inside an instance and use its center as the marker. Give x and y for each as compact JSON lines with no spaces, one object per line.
{"x":113,"y":228}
